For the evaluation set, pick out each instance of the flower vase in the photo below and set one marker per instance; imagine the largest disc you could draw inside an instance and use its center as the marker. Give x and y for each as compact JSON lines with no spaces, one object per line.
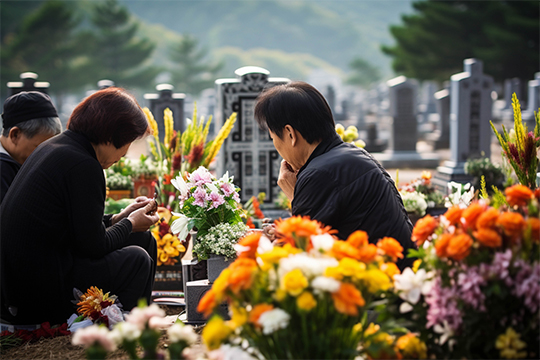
{"x":215,"y":265}
{"x":143,"y":187}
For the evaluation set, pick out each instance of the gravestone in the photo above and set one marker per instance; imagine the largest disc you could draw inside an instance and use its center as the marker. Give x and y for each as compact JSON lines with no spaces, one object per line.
{"x":165,"y":98}
{"x":427,"y":109}
{"x":404,"y":128}
{"x":248,"y":153}
{"x":533,"y":102}
{"x":511,"y":86}
{"x":470,"y":131}
{"x":28,"y":83}
{"x":443,"y":110}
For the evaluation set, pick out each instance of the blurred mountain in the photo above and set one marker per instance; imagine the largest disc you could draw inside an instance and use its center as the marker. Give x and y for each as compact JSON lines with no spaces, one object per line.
{"x":287,"y":37}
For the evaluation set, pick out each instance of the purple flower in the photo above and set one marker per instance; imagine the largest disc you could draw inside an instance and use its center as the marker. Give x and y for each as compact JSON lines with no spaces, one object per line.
{"x":499,"y":267}
{"x":527,"y":284}
{"x":200,"y":177}
{"x":469,"y":285}
{"x":200,"y":197}
{"x":227,"y":188}
{"x":216,"y":200}
{"x":442,"y":306}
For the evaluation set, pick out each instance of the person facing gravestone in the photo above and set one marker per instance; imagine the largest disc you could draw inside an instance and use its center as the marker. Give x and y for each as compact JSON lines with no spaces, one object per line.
{"x":330,"y":181}
{"x":29,"y":118}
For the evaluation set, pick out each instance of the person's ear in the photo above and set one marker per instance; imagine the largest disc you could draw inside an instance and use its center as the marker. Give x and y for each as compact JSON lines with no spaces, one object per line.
{"x":15,"y":134}
{"x":291,"y":135}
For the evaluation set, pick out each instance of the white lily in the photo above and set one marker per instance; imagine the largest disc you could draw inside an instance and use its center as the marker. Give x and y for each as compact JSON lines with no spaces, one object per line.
{"x":212,"y":188}
{"x":181,"y":185}
{"x":446,"y":333}
{"x":179,"y":226}
{"x":225,"y":178}
{"x":410,"y":285}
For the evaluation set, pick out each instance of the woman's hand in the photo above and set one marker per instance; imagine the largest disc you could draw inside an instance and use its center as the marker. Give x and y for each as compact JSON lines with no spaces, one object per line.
{"x":287,"y":179}
{"x":140,"y":202}
{"x":141,"y":219}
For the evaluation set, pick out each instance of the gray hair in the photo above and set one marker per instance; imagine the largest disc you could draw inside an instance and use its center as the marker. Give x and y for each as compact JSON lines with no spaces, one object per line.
{"x":30,"y":128}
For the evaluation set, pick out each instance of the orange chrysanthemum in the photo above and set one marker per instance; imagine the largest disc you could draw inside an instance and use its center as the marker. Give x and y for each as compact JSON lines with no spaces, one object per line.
{"x":534,"y":225}
{"x":342,"y":249}
{"x":424,"y":228}
{"x":472,"y":213}
{"x":358,"y":239}
{"x":453,"y":214}
{"x":512,"y":224}
{"x":367,"y":253}
{"x":487,"y":219}
{"x":390,"y":269}
{"x":250,"y":241}
{"x":519,"y":195}
{"x":442,"y":244}
{"x":347,"y":299}
{"x":257,"y":311}
{"x":208,"y":303}
{"x":295,"y":227}
{"x":391,"y":247}
{"x":459,"y":247}
{"x":488,"y":237}
{"x":93,"y":301}
{"x":242,"y":274}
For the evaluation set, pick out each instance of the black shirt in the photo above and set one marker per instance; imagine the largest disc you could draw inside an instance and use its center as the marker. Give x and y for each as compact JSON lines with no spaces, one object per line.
{"x":343,"y":186}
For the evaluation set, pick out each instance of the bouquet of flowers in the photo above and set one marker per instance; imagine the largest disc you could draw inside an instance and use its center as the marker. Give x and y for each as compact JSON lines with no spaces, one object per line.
{"x":95,"y":307}
{"x":420,"y":194}
{"x":220,"y":240}
{"x":520,"y":147}
{"x":475,"y":290}
{"x":170,"y":248}
{"x":205,"y":202}
{"x":142,"y":327}
{"x":309,"y":298}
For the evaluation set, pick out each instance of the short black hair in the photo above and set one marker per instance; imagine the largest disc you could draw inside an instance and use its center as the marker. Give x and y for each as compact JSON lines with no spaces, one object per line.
{"x":299,"y":105}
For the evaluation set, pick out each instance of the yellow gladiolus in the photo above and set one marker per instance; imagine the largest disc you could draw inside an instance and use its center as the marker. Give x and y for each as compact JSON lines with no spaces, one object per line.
{"x":306,"y":301}
{"x":215,"y":332}
{"x":294,"y":282}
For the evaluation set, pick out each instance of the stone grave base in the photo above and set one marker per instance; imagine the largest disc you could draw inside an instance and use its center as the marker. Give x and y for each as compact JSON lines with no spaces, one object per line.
{"x":407,"y":160}
{"x":194,"y":292}
{"x":450,"y":171}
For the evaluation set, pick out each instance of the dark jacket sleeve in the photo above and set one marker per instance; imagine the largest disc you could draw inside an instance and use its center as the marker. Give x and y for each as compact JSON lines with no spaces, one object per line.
{"x":85,"y":186}
{"x":8,"y":171}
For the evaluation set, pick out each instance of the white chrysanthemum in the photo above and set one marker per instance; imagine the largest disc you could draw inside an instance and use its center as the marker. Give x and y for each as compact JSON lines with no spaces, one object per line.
{"x":410,"y":285}
{"x":323,"y":284}
{"x":310,"y":266}
{"x":180,"y":332}
{"x":322,"y":243}
{"x":88,"y":336}
{"x":274,"y":320}
{"x":265,"y":245}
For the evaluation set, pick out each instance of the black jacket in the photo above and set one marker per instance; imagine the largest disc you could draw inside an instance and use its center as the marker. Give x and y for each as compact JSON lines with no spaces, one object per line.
{"x":8,"y":170}
{"x":343,"y":186}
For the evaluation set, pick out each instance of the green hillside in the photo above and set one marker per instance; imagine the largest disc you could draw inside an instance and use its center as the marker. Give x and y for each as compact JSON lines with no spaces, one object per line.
{"x":297,"y":34}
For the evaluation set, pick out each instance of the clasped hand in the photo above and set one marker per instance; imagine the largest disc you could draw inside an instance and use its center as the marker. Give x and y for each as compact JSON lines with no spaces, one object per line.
{"x":142,"y":214}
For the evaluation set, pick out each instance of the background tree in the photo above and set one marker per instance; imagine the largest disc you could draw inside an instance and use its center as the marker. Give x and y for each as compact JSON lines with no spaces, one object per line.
{"x":47,"y":42}
{"x":433,"y":42}
{"x":191,"y":72}
{"x":364,"y":73}
{"x":117,"y":53}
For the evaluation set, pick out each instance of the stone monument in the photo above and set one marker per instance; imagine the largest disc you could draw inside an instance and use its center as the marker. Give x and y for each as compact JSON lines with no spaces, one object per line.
{"x":533,"y":102}
{"x":28,"y":83}
{"x":470,"y":131}
{"x":165,"y":98}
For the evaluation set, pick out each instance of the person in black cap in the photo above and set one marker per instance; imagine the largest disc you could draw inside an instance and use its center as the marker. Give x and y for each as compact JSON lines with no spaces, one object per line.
{"x":29,"y":118}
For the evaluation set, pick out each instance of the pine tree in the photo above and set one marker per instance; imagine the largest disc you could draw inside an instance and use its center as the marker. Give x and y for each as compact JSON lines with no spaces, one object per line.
{"x":117,"y":53}
{"x":364,"y":73}
{"x":433,"y":42}
{"x":191,"y":72}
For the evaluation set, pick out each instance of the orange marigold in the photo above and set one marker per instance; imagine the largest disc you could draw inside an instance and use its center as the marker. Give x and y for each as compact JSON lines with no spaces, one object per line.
{"x":453,"y":214}
{"x":358,"y":238}
{"x":487,"y":219}
{"x":424,"y":228}
{"x":242,"y":274}
{"x":250,"y":241}
{"x":472,"y":213}
{"x":367,"y":253}
{"x":442,"y":244}
{"x":518,"y":195}
{"x":391,"y":247}
{"x":342,"y":249}
{"x":207,"y":303}
{"x":300,"y":227}
{"x":512,"y":223}
{"x":534,"y":225}
{"x":257,"y":311}
{"x":488,"y":237}
{"x":459,"y":247}
{"x":347,"y":299}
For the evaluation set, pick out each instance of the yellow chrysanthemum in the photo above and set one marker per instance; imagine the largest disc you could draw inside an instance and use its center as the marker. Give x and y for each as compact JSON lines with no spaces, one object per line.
{"x":351,"y":267}
{"x":510,"y":345}
{"x":215,"y":332}
{"x":294,"y":282}
{"x":375,"y":280}
{"x":411,"y":347}
{"x":306,"y":301}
